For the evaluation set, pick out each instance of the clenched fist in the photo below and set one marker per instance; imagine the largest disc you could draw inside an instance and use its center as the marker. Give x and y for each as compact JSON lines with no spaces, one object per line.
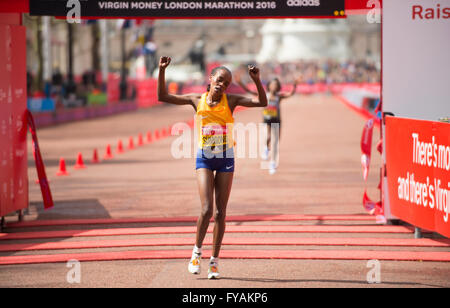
{"x":253,"y":71}
{"x":164,"y":62}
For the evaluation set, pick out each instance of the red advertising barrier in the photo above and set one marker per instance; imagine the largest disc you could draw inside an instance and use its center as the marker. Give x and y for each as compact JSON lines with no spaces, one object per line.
{"x":146,"y":92}
{"x":13,"y":121}
{"x":113,"y":91}
{"x":418,"y":172}
{"x":43,"y":119}
{"x":335,"y":88}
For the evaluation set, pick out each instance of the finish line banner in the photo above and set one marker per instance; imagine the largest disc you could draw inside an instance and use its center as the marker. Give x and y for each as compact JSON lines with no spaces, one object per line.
{"x":188,"y":9}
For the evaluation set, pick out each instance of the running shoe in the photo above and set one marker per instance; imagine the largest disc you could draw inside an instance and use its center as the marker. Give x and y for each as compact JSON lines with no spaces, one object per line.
{"x":194,"y":264}
{"x":213,"y":271}
{"x":272,"y":168}
{"x":265,"y":154}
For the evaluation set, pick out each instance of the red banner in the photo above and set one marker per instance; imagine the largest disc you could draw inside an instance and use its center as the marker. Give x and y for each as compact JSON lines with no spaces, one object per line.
{"x":19,"y":120}
{"x":43,"y":181}
{"x":366,"y":146}
{"x":13,"y":138}
{"x":374,"y":208}
{"x":418,"y":172}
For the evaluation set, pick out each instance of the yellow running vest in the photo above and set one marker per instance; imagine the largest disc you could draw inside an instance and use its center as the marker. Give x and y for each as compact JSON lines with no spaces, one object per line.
{"x":215,"y":125}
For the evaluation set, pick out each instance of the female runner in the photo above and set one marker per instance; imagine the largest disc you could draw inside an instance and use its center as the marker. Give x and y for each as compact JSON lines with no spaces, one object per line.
{"x":272,"y":115}
{"x":214,"y":114}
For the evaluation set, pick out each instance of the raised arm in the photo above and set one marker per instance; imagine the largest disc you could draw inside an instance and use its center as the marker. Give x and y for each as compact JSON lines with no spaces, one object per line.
{"x":238,"y":100}
{"x":238,"y":80}
{"x":163,"y":96}
{"x":294,"y":88}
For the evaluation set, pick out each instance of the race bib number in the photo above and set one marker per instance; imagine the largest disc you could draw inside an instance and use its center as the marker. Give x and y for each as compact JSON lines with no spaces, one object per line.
{"x":214,"y":136}
{"x":270,"y":112}
{"x":214,"y":141}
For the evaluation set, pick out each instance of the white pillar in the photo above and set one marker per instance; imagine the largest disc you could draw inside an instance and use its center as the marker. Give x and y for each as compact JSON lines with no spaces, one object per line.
{"x":302,"y":39}
{"x":47,"y":48}
{"x":294,"y":39}
{"x":104,"y":51}
{"x":271,"y":40}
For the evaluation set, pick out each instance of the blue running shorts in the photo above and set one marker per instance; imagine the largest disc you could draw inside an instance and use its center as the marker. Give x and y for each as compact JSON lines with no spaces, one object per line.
{"x":220,"y":162}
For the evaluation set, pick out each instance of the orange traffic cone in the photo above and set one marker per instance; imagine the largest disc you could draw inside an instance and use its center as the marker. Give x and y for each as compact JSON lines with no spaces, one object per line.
{"x":149,"y":137}
{"x":108,"y":154}
{"x":95,"y":159}
{"x":80,"y":163}
{"x":62,"y":168}
{"x":120,"y":147}
{"x":156,"y":134}
{"x":130,"y":143}
{"x":140,"y":140}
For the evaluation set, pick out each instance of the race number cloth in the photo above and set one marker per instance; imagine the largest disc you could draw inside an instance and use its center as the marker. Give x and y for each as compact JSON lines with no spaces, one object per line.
{"x":366,"y":147}
{"x":272,"y":111}
{"x":374,"y":208}
{"x":215,"y":125}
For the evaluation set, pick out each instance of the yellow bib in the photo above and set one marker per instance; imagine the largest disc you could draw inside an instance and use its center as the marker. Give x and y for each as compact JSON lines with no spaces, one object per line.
{"x":215,"y":125}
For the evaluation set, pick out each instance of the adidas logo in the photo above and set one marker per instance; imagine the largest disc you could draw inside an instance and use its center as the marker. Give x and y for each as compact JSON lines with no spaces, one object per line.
{"x":303,"y":2}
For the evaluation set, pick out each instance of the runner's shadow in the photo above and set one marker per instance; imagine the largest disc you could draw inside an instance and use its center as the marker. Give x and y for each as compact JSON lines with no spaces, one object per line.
{"x":72,"y":209}
{"x":63,"y":209}
{"x":359,"y":282}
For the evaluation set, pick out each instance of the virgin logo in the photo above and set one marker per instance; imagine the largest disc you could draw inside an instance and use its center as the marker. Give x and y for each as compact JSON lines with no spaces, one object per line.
{"x":20,"y":153}
{"x":3,"y":128}
{"x":19,"y":93}
{"x":19,"y":124}
{"x":2,"y":95}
